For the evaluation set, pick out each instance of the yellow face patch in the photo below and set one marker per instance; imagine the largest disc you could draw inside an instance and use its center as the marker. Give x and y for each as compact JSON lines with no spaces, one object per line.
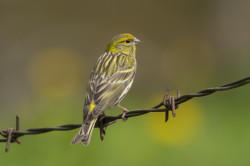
{"x":91,"y":106}
{"x":119,"y":41}
{"x":124,"y":37}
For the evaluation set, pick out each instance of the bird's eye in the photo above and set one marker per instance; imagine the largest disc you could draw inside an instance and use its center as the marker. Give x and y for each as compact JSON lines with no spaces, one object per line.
{"x":128,"y":41}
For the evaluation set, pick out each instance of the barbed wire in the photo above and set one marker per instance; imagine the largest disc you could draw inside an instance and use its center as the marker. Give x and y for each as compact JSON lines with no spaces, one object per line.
{"x":170,"y":103}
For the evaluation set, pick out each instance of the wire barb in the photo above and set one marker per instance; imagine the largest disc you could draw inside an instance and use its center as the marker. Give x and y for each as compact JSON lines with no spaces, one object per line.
{"x":167,"y":104}
{"x":9,"y":131}
{"x":17,"y":123}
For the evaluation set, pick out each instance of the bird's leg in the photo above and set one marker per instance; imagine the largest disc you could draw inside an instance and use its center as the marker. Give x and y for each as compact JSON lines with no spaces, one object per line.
{"x":125,"y":110}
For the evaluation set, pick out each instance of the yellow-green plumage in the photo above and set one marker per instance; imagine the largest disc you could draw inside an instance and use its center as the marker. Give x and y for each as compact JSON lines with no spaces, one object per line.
{"x":109,"y":82}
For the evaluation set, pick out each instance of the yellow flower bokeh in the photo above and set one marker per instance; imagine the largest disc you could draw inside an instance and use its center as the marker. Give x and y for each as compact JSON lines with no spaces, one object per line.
{"x":180,"y":130}
{"x":55,"y":73}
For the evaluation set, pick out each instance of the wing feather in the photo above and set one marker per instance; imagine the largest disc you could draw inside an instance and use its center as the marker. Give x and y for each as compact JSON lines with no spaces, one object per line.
{"x":109,"y":79}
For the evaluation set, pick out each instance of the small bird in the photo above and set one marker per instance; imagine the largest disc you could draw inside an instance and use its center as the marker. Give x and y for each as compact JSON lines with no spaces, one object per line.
{"x":110,"y":80}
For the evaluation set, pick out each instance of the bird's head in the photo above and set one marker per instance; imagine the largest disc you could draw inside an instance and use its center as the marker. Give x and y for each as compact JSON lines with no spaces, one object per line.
{"x":123,"y":43}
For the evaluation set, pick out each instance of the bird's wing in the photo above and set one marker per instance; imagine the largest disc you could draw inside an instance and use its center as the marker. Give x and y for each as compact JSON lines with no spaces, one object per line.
{"x":108,"y":80}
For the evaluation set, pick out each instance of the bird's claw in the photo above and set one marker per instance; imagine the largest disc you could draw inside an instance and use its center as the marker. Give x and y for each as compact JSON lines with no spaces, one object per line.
{"x":125,"y":110}
{"x":123,"y":116}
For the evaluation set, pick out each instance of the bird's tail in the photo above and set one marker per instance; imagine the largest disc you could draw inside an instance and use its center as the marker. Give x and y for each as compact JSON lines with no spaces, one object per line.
{"x":85,"y":133}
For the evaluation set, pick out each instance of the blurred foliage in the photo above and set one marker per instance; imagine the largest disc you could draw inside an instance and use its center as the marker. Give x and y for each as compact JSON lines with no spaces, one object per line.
{"x":47,"y":51}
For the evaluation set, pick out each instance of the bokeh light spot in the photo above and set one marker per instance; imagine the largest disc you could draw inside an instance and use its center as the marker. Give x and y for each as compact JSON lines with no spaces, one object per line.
{"x":180,"y":130}
{"x":55,"y":73}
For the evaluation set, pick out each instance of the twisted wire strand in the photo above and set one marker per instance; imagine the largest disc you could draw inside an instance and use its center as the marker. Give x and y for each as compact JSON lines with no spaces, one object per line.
{"x":11,"y":136}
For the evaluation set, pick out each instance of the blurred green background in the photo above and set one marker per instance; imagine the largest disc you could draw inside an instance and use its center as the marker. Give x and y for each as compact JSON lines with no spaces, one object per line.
{"x":47,"y":51}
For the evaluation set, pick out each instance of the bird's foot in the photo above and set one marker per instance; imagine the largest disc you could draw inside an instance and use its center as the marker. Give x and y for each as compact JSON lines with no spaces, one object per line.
{"x":125,"y":110}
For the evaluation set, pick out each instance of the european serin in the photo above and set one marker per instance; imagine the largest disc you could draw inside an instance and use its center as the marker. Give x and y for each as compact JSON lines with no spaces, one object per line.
{"x":110,"y":80}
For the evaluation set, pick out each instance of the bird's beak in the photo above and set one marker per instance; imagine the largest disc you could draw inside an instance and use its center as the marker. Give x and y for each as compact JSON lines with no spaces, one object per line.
{"x":137,"y":41}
